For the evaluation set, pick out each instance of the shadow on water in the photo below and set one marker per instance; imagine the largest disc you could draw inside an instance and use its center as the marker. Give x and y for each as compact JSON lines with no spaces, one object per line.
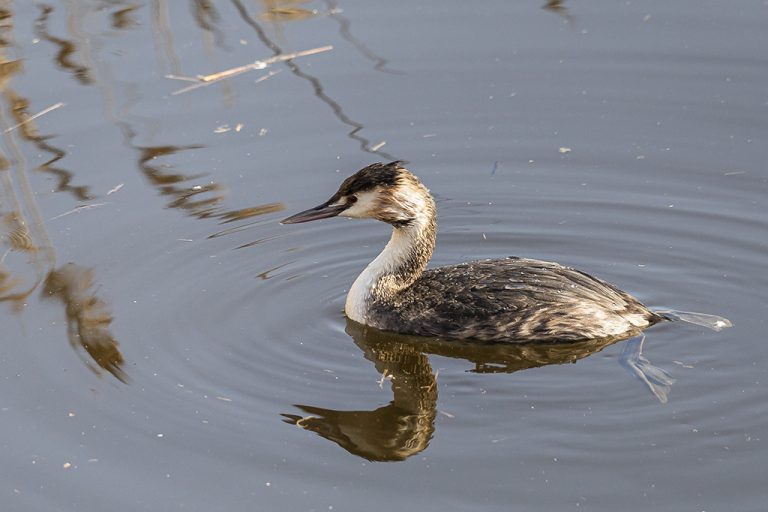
{"x":405,"y":426}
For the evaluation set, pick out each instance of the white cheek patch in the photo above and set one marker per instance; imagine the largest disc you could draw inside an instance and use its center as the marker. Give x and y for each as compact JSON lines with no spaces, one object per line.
{"x":362,"y":208}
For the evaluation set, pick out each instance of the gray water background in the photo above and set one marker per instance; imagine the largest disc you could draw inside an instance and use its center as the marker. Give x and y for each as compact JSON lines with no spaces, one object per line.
{"x":159,"y":328}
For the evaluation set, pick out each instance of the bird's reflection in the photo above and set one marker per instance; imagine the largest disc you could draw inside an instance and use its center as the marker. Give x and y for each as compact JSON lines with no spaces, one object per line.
{"x":88,"y":318}
{"x":393,"y":432}
{"x":405,"y":426}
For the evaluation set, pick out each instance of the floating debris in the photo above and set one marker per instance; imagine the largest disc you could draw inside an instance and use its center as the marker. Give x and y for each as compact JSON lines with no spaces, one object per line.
{"x":278,"y":14}
{"x":79,"y":209}
{"x":115,"y":189}
{"x":33,"y":117}
{"x":564,"y":150}
{"x":205,"y":80}
{"x":384,"y":376}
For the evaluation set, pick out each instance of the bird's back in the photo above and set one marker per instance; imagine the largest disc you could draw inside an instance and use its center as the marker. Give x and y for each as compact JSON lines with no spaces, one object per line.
{"x":511,"y":299}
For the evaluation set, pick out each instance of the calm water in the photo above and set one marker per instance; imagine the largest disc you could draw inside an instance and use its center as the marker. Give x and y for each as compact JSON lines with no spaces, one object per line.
{"x":162,"y":335}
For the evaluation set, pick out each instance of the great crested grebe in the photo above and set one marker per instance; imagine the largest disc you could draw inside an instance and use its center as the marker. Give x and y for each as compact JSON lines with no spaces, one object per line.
{"x":510,"y":299}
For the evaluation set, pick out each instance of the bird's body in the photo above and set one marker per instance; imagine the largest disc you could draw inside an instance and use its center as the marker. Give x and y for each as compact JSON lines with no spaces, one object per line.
{"x":511,"y":299}
{"x":498,"y":300}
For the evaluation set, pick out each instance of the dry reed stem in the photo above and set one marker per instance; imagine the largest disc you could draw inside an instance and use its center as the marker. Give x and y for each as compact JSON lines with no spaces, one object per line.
{"x":205,"y":80}
{"x":33,"y":117}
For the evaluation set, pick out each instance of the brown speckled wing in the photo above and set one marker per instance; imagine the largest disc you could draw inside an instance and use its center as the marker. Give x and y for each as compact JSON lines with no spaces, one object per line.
{"x":504,"y":299}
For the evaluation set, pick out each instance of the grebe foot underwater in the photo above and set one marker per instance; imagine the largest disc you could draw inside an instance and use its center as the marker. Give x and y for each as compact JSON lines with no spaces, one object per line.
{"x":496,"y":300}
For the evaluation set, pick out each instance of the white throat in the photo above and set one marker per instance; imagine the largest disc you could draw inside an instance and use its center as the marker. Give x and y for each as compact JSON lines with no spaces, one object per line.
{"x":380,"y":276}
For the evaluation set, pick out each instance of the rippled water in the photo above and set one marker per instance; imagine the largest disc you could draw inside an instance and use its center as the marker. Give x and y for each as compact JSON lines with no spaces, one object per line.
{"x":165,"y":344}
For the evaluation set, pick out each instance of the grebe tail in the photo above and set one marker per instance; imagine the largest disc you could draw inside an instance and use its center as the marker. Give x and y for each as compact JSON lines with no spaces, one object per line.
{"x":713,"y":322}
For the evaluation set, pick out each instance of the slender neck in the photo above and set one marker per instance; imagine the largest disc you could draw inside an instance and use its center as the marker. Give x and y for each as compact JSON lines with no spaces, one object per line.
{"x":400,"y":263}
{"x":403,"y":259}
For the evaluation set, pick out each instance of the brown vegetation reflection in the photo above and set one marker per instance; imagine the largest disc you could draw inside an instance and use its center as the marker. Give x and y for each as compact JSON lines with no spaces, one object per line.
{"x":122,"y":18}
{"x":558,"y":7}
{"x":26,"y":253}
{"x":202,"y":201}
{"x":19,"y":108}
{"x":65,"y":58}
{"x":276,"y":11}
{"x":405,"y":426}
{"x":27,"y":256}
{"x":88,"y":318}
{"x":207,"y":18}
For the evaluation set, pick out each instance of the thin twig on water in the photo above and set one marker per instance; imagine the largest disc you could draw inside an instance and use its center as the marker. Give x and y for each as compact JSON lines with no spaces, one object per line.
{"x":205,"y":80}
{"x":33,"y":117}
{"x":79,"y":209}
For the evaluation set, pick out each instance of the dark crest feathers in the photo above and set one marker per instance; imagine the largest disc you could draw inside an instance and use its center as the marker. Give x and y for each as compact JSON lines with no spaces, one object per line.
{"x":371,"y":177}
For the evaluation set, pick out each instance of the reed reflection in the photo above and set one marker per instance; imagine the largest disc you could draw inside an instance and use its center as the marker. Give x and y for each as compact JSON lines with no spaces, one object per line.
{"x":67,"y":49}
{"x":405,"y":426}
{"x":345,"y":30}
{"x":317,"y":86}
{"x":558,"y":7}
{"x":19,"y":108}
{"x":277,"y":11}
{"x":88,"y":318}
{"x":201,"y":201}
{"x":208,"y":18}
{"x":26,"y":253}
{"x":6,"y":24}
{"x":122,"y":18}
{"x":27,"y":256}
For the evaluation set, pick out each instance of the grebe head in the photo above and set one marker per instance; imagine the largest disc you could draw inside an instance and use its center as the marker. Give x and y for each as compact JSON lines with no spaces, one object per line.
{"x":385,"y":192}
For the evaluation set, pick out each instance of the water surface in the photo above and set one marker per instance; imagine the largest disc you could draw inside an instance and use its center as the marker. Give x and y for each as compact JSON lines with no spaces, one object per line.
{"x":165,"y":344}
